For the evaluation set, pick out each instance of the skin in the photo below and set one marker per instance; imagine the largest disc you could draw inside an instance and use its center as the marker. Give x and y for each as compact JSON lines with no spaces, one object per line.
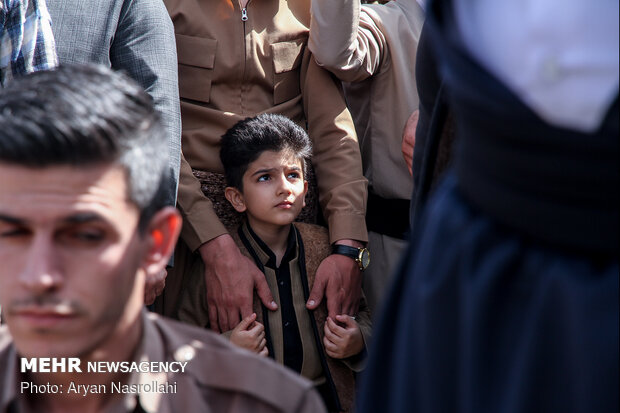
{"x":250,"y":335}
{"x":343,"y":337}
{"x":231,"y":278}
{"x":272,"y":197}
{"x":73,"y":270}
{"x":409,"y":139}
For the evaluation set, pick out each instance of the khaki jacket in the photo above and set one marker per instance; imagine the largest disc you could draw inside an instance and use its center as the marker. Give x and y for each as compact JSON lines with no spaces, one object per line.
{"x":218,"y":377}
{"x":373,"y":49}
{"x":229,"y":70}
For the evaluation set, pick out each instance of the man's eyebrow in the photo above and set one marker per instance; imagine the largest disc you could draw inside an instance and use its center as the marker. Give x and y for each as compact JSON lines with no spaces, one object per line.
{"x":82,"y":218}
{"x":12,"y":220}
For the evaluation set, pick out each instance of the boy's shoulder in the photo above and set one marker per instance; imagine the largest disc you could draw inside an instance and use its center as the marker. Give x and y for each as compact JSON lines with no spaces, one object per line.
{"x":313,"y":233}
{"x":315,"y":239}
{"x":316,"y":246}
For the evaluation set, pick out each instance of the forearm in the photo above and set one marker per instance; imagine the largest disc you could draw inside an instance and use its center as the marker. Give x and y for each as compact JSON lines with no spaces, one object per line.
{"x":336,"y":154}
{"x":200,"y":222}
{"x":345,"y":40}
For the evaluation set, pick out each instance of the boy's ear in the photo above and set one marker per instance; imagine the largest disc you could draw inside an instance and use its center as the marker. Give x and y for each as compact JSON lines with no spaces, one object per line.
{"x":162,"y":234}
{"x":235,"y":197}
{"x":305,"y":192}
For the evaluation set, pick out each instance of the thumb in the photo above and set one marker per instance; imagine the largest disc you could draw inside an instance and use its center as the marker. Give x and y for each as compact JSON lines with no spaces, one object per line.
{"x":246,"y":322}
{"x":347,"y":320}
{"x":316,"y":295}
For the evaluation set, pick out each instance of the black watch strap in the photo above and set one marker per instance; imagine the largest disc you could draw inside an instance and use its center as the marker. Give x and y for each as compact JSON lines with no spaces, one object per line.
{"x":346,"y":250}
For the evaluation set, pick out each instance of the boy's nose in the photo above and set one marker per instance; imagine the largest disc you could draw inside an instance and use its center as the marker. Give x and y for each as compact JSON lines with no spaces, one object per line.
{"x":284,"y":186}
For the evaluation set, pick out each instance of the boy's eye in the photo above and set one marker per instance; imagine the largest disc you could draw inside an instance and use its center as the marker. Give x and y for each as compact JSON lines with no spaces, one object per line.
{"x":293,"y":175}
{"x":263,"y":178}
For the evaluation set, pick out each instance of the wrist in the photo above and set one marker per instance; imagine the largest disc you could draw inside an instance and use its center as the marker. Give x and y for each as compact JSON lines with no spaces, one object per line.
{"x":216,"y":246}
{"x":350,"y":243}
{"x":359,"y":254}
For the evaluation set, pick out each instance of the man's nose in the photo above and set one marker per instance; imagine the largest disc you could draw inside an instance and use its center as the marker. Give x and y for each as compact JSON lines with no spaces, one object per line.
{"x":41,"y":272}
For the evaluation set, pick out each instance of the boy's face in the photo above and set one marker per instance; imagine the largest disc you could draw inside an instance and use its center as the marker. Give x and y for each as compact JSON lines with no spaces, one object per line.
{"x":273,"y":190}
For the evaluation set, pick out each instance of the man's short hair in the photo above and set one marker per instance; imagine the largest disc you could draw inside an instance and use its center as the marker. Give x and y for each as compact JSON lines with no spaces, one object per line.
{"x":83,"y":115}
{"x":245,"y":141}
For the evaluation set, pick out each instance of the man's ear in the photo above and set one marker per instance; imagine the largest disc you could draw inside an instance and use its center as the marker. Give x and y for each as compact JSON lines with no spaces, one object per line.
{"x":162,"y":234}
{"x":305,"y":192}
{"x":235,"y":197}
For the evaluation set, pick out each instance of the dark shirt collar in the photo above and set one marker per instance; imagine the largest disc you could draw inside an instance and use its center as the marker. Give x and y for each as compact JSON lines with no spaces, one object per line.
{"x":268,"y":258}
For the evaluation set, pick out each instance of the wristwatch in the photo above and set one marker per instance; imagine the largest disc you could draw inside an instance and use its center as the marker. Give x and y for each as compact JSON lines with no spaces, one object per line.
{"x":359,"y":255}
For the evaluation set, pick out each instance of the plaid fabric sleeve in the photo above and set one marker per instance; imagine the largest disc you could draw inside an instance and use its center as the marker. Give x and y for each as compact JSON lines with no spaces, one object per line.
{"x":26,"y":39}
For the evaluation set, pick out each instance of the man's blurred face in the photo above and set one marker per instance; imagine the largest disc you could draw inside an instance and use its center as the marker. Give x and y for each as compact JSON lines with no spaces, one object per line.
{"x":70,"y":258}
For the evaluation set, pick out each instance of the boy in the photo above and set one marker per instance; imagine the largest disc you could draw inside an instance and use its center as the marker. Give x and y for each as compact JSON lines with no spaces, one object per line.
{"x":264,"y":160}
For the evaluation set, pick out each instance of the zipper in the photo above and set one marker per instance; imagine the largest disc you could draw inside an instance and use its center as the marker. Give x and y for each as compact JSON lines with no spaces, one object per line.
{"x":243,"y":5}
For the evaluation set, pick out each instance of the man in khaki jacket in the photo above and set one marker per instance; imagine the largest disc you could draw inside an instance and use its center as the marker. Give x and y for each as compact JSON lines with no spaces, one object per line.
{"x":83,"y":222}
{"x":236,"y":60}
{"x":372,"y":49}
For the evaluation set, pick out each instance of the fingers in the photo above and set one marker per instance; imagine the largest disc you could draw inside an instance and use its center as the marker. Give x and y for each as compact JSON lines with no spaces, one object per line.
{"x":246,"y":322}
{"x":334,"y":330}
{"x":230,"y":320}
{"x":331,"y":349}
{"x":318,"y":290}
{"x":213,"y":317}
{"x":262,"y":289}
{"x":264,"y":352}
{"x":347,"y":320}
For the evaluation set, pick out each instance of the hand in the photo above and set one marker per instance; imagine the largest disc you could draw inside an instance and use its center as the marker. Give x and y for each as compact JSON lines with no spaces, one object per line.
{"x":342,"y":342}
{"x":409,"y":139}
{"x":153,"y":286}
{"x":339,"y":279}
{"x":250,"y":335}
{"x":231,"y":278}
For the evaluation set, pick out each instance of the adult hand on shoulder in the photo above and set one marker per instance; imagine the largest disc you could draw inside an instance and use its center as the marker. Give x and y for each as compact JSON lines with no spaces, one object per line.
{"x":339,"y":280}
{"x":231,"y":279}
{"x":409,"y":139}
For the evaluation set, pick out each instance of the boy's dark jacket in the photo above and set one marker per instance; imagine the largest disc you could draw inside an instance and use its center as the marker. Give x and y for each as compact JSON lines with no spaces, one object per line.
{"x":339,"y":373}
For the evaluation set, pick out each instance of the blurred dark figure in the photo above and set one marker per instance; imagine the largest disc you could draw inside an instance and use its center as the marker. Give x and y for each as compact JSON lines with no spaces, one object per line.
{"x":508,"y":299}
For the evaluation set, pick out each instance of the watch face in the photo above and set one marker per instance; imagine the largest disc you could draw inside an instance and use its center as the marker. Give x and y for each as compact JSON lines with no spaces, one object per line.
{"x":364,"y":258}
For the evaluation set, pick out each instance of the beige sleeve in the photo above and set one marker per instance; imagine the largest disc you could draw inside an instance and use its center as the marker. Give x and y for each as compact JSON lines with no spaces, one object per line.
{"x":200,"y":223}
{"x":345,"y":39}
{"x":336,"y":154}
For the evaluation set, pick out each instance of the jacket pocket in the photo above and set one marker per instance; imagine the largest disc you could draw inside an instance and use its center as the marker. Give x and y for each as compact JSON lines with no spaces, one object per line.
{"x":196,"y":60}
{"x":287,"y":58}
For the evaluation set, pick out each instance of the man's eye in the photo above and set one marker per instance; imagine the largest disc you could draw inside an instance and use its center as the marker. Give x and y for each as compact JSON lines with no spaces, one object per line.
{"x":89,"y":236}
{"x":14,"y":232}
{"x":83,"y":236}
{"x":263,"y":178}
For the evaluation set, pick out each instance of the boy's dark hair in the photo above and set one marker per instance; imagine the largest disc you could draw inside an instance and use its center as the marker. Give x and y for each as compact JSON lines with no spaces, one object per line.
{"x":244,"y":142}
{"x":84,"y":115}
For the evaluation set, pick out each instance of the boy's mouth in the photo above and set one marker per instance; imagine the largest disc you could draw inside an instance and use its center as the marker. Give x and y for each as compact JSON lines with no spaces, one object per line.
{"x":285,"y":204}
